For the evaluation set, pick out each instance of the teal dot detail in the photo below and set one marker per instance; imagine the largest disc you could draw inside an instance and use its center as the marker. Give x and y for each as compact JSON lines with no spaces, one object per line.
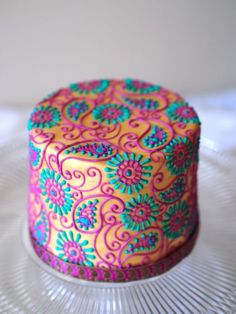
{"x":139,"y":213}
{"x":128,"y":173}
{"x":72,"y":248}
{"x":111,"y":113}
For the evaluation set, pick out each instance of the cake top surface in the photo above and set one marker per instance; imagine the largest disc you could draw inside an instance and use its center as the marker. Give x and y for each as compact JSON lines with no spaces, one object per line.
{"x":113,"y":110}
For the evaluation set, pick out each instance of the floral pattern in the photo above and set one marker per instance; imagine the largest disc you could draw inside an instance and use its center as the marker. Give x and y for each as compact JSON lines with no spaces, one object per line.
{"x":182,"y":113}
{"x":145,"y":242}
{"x":85,"y":215}
{"x":44,"y":117}
{"x":92,"y":87}
{"x":41,"y":229}
{"x":73,"y":249}
{"x":176,"y":220}
{"x":34,"y":154}
{"x":156,"y":138}
{"x":139,"y":213}
{"x":75,"y":108}
{"x":56,"y":192}
{"x":140,"y":87}
{"x":110,"y":113}
{"x":128,"y":172}
{"x":179,"y":155}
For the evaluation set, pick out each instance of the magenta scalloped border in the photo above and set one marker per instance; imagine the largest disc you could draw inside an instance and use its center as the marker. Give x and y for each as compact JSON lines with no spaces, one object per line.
{"x":116,"y":274}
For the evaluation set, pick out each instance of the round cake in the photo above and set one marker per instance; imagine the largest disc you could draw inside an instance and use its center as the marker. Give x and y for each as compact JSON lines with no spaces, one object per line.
{"x":113,"y":179}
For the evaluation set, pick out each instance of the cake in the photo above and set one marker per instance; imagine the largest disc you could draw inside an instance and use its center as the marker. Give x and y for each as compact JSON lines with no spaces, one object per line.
{"x":113,"y":179}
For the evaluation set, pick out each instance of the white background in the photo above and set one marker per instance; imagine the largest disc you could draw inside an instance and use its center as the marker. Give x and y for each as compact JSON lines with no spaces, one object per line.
{"x":186,"y":45}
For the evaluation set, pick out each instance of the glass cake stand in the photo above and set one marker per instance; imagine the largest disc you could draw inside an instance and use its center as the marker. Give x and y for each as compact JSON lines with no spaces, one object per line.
{"x":204,"y":282}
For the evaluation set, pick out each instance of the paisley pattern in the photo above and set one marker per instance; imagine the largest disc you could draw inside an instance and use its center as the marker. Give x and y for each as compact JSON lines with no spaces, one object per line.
{"x":145,"y":242}
{"x":112,"y":178}
{"x":86,"y":215}
{"x":174,"y":192}
{"x":75,"y":109}
{"x":156,"y":138}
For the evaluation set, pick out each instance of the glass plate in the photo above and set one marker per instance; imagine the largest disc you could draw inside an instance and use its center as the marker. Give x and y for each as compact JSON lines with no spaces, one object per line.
{"x":204,"y":282}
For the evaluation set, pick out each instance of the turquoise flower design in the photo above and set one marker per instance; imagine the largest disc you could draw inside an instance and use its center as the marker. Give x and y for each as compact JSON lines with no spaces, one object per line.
{"x":182,"y":113}
{"x":74,"y":109}
{"x":90,"y":87}
{"x":34,"y":154}
{"x":44,"y":117}
{"x":56,"y":192}
{"x":140,"y":87}
{"x":139,"y":213}
{"x":146,"y":242}
{"x":85,"y":215}
{"x":73,"y":249}
{"x":175,"y":220}
{"x":110,"y":113}
{"x":156,"y":138}
{"x":179,"y":155}
{"x":127,"y":172}
{"x":41,"y":229}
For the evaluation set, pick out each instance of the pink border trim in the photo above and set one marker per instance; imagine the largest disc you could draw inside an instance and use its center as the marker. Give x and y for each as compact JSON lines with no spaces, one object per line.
{"x":116,"y":274}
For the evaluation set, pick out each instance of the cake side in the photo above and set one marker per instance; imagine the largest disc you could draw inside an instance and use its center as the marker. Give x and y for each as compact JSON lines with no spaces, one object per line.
{"x":113,"y":173}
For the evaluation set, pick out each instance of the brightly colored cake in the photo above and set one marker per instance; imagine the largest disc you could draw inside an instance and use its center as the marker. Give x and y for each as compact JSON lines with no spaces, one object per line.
{"x":113,"y":179}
